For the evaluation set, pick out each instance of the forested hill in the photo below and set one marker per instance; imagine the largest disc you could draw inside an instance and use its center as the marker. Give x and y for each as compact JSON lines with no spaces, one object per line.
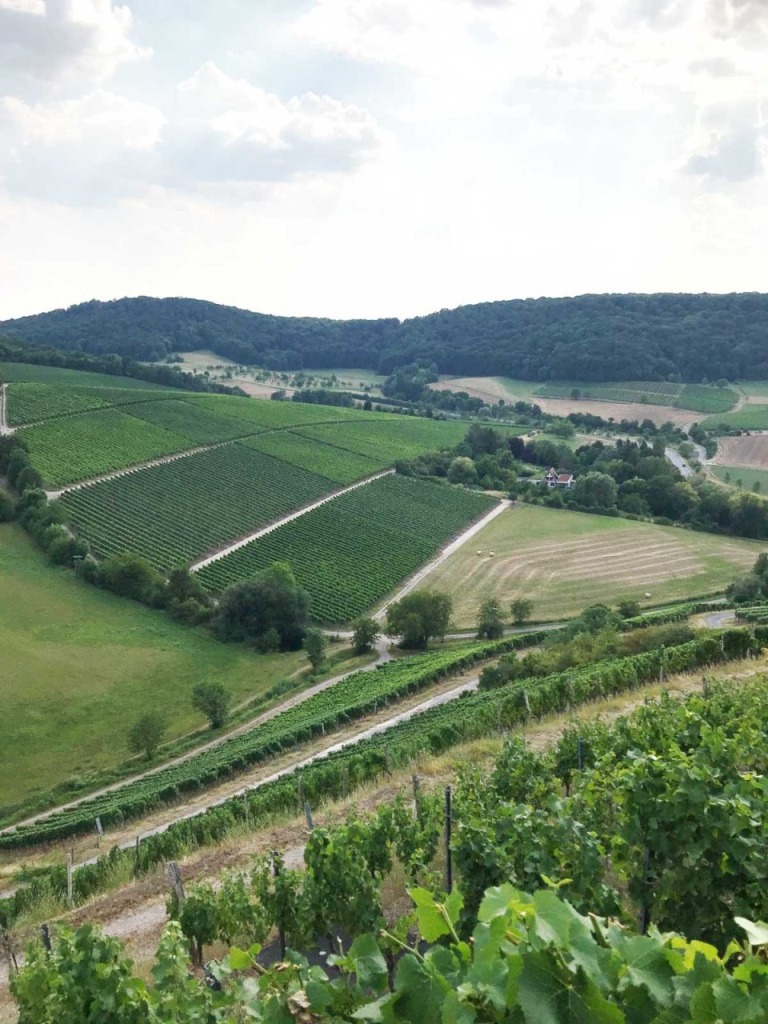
{"x":590,"y":338}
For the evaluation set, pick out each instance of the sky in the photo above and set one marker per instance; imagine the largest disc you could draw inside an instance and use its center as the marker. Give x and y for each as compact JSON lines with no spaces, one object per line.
{"x":366,"y":158}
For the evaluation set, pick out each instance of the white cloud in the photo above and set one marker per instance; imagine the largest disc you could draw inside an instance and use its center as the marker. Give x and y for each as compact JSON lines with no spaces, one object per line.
{"x":63,"y":41}
{"x":219,"y":132}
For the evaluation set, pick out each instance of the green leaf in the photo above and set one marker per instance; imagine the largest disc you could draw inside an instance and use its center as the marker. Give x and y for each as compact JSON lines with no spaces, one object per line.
{"x":370,"y":965}
{"x":419,"y":994}
{"x":757,"y":931}
{"x":500,"y":900}
{"x":647,"y":967}
{"x":454,"y":906}
{"x":429,"y":915}
{"x":239,"y":960}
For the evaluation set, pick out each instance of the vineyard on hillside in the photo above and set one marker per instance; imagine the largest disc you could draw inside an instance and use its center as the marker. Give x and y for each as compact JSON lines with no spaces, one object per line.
{"x":60,"y":376}
{"x":78,"y":447}
{"x":400,"y":437}
{"x":353,"y":551}
{"x":335,"y":463}
{"x":197,"y":425}
{"x":32,"y":403}
{"x":347,"y":700}
{"x":175,"y":513}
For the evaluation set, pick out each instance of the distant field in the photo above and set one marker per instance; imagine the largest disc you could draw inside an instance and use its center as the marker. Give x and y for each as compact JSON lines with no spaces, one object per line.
{"x":353,"y":551}
{"x":747,"y":451}
{"x":57,"y":375}
{"x":697,"y":397}
{"x":174,"y":514}
{"x":564,"y":561}
{"x":750,"y":417}
{"x":79,"y":666}
{"x":754,"y":388}
{"x":743,"y":478}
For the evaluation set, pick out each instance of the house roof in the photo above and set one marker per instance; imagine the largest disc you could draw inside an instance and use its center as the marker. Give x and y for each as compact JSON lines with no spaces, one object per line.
{"x":564,"y":478}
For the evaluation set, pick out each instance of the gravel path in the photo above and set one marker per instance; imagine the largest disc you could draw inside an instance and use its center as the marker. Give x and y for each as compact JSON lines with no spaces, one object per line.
{"x":4,"y":428}
{"x":223,"y":552}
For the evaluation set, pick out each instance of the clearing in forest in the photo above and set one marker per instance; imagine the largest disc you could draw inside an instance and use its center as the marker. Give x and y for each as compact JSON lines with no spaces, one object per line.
{"x":564,"y":561}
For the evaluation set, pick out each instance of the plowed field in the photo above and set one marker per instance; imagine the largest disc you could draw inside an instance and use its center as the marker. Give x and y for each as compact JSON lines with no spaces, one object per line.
{"x":749,"y":452}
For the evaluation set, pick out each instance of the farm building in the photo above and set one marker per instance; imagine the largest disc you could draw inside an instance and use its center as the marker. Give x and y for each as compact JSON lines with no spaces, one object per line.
{"x":555,"y":479}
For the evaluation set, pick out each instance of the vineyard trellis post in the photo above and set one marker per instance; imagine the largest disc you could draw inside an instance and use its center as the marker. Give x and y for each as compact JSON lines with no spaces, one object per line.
{"x":308,"y":816}
{"x":137,"y":861}
{"x":580,"y":753}
{"x":45,"y":936}
{"x":70,"y":869}
{"x":415,"y":784}
{"x":448,"y":861}
{"x":280,"y":928}
{"x":174,"y":873}
{"x":6,"y":943}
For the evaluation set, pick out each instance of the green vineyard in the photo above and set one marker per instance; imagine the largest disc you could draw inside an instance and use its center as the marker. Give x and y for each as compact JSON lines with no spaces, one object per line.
{"x":177,"y":512}
{"x":348,"y":699}
{"x":335,"y":463}
{"x":354,"y":550}
{"x":188,"y":420}
{"x":399,"y":437}
{"x":79,"y":447}
{"x":10,"y":372}
{"x":32,"y":403}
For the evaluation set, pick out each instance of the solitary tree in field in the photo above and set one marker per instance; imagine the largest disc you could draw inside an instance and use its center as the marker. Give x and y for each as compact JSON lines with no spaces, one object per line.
{"x":490,"y":621}
{"x":145,"y":735}
{"x":315,"y":645}
{"x":418,"y":617}
{"x":365,"y":634}
{"x":213,"y":700}
{"x":521,"y":609}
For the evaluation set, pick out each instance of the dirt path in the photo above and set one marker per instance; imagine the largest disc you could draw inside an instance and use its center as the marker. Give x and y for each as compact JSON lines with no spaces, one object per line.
{"x":252,"y":723}
{"x":446,"y":553}
{"x":223,"y":552}
{"x":127,"y":470}
{"x":5,"y":430}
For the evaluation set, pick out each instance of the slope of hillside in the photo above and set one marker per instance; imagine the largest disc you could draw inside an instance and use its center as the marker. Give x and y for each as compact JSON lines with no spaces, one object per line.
{"x":594,"y":337}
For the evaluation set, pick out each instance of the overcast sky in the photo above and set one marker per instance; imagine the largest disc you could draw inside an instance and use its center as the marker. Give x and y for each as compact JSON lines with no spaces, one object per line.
{"x":380,"y":157}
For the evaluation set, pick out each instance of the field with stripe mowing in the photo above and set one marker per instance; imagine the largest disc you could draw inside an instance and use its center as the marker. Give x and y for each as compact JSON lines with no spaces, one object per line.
{"x":564,"y":561}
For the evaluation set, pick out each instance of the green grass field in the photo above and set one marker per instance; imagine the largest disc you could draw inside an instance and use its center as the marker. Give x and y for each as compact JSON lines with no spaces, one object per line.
{"x":80,"y":665}
{"x":698,"y":397}
{"x":749,"y":417}
{"x":564,"y":561}
{"x":749,"y":477}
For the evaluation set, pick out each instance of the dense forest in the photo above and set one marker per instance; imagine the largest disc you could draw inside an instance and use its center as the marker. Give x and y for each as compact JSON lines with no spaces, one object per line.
{"x":589,"y":338}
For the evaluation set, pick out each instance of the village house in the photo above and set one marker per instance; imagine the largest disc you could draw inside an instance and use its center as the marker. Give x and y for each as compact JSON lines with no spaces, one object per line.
{"x":555,"y":479}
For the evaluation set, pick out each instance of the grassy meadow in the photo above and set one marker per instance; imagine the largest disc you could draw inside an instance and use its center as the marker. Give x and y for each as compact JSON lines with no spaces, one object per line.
{"x":564,"y":561}
{"x":79,"y":666}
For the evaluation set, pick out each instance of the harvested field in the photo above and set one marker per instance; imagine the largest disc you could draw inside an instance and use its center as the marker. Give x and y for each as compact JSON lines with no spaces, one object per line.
{"x":489,"y":389}
{"x":564,"y":561}
{"x":749,"y":452}
{"x":616,"y":410}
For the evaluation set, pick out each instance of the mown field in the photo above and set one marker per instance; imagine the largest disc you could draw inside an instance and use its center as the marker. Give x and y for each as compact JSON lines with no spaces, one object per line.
{"x":564,"y":561}
{"x":351,"y":552}
{"x":742,"y":477}
{"x":749,"y":451}
{"x":751,"y":416}
{"x":79,"y":666}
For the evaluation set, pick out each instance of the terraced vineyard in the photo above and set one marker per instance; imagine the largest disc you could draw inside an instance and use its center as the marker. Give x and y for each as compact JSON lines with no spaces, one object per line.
{"x":349,"y":699}
{"x":325,"y":459}
{"x":354,"y":550}
{"x":279,"y":415}
{"x":78,"y":447}
{"x":399,"y":437}
{"x":177,"y":512}
{"x":31,"y":402}
{"x":82,"y":378}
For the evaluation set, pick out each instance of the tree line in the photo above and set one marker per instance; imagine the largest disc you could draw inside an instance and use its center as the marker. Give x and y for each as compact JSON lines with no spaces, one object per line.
{"x":662,"y":336}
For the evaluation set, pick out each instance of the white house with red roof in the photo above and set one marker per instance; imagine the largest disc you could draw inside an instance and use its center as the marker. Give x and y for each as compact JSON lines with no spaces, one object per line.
{"x":555,"y":479}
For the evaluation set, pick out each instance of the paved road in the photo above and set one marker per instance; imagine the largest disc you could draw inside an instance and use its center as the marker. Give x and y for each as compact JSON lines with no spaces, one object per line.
{"x":679,"y":462}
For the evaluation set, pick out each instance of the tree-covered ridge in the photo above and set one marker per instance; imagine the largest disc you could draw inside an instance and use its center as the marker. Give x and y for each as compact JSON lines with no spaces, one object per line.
{"x":589,"y":337}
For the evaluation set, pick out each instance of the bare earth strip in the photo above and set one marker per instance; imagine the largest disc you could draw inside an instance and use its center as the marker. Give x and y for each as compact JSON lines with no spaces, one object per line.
{"x":5,"y":430}
{"x":748,"y":452}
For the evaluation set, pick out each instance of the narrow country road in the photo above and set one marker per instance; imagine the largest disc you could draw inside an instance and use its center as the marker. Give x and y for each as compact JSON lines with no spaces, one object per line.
{"x":223,"y":552}
{"x":678,"y":462}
